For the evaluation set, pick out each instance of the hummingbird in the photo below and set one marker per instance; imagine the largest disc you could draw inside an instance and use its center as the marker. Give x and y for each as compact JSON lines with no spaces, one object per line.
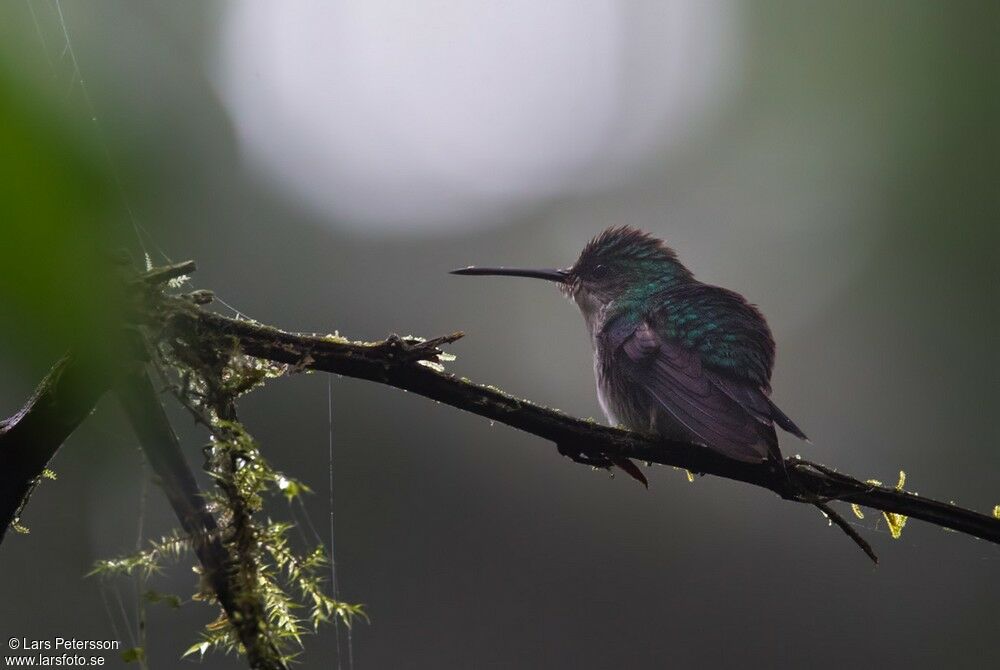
{"x":673,"y":357}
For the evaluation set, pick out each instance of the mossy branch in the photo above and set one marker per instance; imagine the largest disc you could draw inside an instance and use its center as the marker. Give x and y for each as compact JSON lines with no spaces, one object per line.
{"x":415,"y":366}
{"x":66,"y":396}
{"x":218,"y":359}
{"x":162,"y":449}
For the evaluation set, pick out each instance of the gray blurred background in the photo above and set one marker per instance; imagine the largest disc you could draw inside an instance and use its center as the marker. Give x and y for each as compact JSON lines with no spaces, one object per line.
{"x":327,"y":163}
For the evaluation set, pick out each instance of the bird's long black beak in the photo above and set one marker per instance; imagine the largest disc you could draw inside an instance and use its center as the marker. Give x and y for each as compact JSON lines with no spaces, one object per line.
{"x":555,"y":275}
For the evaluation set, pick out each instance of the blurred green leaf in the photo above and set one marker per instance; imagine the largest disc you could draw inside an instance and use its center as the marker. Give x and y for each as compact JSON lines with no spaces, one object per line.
{"x":54,"y":209}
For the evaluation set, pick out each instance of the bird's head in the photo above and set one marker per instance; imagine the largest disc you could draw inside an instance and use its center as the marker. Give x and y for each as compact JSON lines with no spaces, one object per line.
{"x":621,"y":262}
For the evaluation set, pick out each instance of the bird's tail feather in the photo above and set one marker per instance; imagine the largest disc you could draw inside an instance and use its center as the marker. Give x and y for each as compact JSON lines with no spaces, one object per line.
{"x":785,"y":423}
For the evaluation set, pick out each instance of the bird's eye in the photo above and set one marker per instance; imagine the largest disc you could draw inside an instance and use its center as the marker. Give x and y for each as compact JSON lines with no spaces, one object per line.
{"x":599,"y":271}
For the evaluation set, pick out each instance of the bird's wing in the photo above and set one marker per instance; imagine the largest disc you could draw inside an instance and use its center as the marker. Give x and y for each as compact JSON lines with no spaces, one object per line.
{"x":754,"y":400}
{"x":733,"y":341}
{"x":705,"y":355}
{"x":729,"y":334}
{"x":676,"y":380}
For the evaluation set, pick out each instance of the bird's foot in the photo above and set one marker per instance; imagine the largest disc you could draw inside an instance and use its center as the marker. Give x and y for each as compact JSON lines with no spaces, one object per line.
{"x":577,"y":456}
{"x":604,"y":462}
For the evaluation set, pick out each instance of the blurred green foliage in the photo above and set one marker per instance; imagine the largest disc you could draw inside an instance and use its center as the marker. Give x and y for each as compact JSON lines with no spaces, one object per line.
{"x":55,"y":199}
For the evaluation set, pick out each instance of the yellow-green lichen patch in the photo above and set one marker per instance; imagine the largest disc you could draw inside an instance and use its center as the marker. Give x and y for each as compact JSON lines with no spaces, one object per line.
{"x":896,"y":521}
{"x":893,"y":520}
{"x":688,"y":473}
{"x":336,"y":338}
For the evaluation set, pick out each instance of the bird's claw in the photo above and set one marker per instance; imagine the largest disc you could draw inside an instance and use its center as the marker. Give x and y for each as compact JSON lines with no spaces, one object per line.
{"x":578,"y":456}
{"x":604,"y":462}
